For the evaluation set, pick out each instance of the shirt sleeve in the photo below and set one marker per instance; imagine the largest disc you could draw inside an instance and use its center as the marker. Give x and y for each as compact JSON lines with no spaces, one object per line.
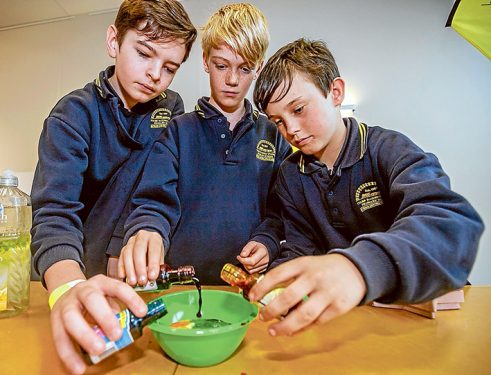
{"x":156,"y":205}
{"x":300,"y":239}
{"x":57,"y":230}
{"x":117,"y":238}
{"x":432,"y":244}
{"x":178,"y":107}
{"x":270,"y":232}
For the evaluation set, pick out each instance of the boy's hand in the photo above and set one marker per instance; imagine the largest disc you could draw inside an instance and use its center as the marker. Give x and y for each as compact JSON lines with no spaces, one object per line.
{"x":90,"y":299}
{"x":332,"y":283}
{"x":143,"y":252}
{"x":254,"y":256}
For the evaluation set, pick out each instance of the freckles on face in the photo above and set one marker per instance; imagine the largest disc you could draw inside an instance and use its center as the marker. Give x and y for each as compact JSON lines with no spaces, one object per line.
{"x":230,"y":77}
{"x":305,"y":117}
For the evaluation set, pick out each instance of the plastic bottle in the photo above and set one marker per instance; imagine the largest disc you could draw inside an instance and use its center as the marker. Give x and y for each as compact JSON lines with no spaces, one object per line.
{"x":236,"y":276}
{"x":15,"y":241}
{"x":168,"y":277}
{"x":132,"y":327}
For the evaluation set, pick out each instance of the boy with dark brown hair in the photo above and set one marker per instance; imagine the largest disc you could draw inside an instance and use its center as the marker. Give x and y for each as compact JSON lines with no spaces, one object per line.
{"x":91,"y":153}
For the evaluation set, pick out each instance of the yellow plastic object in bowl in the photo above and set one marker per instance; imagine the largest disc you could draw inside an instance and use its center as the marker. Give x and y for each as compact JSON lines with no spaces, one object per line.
{"x":192,"y":343}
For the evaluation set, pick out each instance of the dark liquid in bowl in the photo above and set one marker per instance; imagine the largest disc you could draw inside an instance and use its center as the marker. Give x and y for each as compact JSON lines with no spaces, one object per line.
{"x":199,"y":324}
{"x":200,"y":299}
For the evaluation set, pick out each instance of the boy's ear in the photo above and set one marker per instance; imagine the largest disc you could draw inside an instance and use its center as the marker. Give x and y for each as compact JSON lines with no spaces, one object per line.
{"x":112,"y":41}
{"x":205,"y":63}
{"x":337,"y":91}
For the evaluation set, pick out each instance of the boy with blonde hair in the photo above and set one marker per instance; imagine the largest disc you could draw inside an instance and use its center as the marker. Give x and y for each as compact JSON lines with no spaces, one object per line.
{"x":204,"y":191}
{"x":367,"y":214}
{"x":91,"y":152}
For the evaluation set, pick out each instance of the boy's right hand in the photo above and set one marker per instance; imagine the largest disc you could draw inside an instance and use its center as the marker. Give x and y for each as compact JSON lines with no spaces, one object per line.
{"x":141,"y":258}
{"x":92,"y":299}
{"x":333,"y":284}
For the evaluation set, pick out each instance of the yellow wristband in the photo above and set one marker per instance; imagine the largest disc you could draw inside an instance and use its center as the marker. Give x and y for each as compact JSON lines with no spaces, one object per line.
{"x":62,"y":289}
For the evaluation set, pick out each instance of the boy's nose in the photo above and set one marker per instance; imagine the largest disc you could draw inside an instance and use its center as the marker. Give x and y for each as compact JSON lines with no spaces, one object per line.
{"x":292,"y":127}
{"x":232,"y":78}
{"x":154,"y":72}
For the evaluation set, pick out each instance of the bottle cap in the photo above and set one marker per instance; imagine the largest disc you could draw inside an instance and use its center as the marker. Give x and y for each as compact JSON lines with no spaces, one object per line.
{"x":8,"y":179}
{"x":185,"y":273}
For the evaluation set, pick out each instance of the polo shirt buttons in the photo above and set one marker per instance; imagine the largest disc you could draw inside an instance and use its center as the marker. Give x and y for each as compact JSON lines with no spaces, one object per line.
{"x":220,"y":120}
{"x":330,"y":196}
{"x":226,"y":152}
{"x":335,"y":211}
{"x":222,"y":136}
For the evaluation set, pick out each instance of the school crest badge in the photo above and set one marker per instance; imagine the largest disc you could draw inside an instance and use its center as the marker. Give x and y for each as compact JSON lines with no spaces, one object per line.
{"x":160,"y":118}
{"x":265,"y":150}
{"x":368,"y":196}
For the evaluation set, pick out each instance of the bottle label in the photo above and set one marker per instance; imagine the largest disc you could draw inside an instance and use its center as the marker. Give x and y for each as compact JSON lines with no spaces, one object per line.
{"x":113,"y":346}
{"x":149,"y":286}
{"x":4,"y":277}
{"x":270,"y":296}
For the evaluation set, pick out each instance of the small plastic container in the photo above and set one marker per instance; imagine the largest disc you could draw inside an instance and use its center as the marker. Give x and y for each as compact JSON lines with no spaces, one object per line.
{"x":168,"y":277}
{"x":132,"y":327}
{"x":235,"y":276}
{"x":15,"y":243}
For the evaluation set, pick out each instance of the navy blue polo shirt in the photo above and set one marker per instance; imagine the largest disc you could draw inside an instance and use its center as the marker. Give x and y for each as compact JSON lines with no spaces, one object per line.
{"x":388,"y":207}
{"x":205,"y":189}
{"x":91,"y":152}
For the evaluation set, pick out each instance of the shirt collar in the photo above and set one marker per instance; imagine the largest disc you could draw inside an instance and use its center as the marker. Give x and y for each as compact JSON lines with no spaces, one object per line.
{"x":207,"y":111}
{"x":106,"y":91}
{"x":354,"y":148}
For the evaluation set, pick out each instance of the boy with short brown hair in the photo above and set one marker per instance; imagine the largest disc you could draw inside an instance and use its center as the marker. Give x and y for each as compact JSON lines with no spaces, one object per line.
{"x":367,"y":214}
{"x":91,"y":153}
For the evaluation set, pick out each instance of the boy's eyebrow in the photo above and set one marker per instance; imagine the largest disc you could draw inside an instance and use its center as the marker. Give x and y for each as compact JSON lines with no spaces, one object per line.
{"x":293,"y":101}
{"x":289,"y":104}
{"x":219,"y":58}
{"x":225,"y":60}
{"x":145,"y":44}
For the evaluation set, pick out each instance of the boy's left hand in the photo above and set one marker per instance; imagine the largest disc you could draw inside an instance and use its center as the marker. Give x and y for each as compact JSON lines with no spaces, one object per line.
{"x":254,"y":256}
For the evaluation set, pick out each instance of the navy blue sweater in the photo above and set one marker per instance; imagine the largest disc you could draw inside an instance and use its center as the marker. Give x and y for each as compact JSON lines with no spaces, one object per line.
{"x":205,"y":189}
{"x":388,"y":207}
{"x":91,"y":153}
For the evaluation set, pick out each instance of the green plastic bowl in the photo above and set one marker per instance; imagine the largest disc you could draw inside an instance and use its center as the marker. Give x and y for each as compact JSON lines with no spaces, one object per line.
{"x":205,"y":346}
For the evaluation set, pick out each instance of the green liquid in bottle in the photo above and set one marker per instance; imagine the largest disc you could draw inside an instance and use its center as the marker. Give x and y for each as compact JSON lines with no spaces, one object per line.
{"x":15,"y":273}
{"x":15,"y":241}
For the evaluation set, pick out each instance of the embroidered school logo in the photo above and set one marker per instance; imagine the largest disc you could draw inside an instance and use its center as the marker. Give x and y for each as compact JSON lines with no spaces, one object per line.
{"x":160,"y":118}
{"x":368,"y":196}
{"x":265,"y":150}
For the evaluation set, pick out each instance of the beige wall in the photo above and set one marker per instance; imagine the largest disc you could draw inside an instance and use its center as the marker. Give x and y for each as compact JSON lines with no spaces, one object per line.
{"x":405,"y":71}
{"x":39,"y":64}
